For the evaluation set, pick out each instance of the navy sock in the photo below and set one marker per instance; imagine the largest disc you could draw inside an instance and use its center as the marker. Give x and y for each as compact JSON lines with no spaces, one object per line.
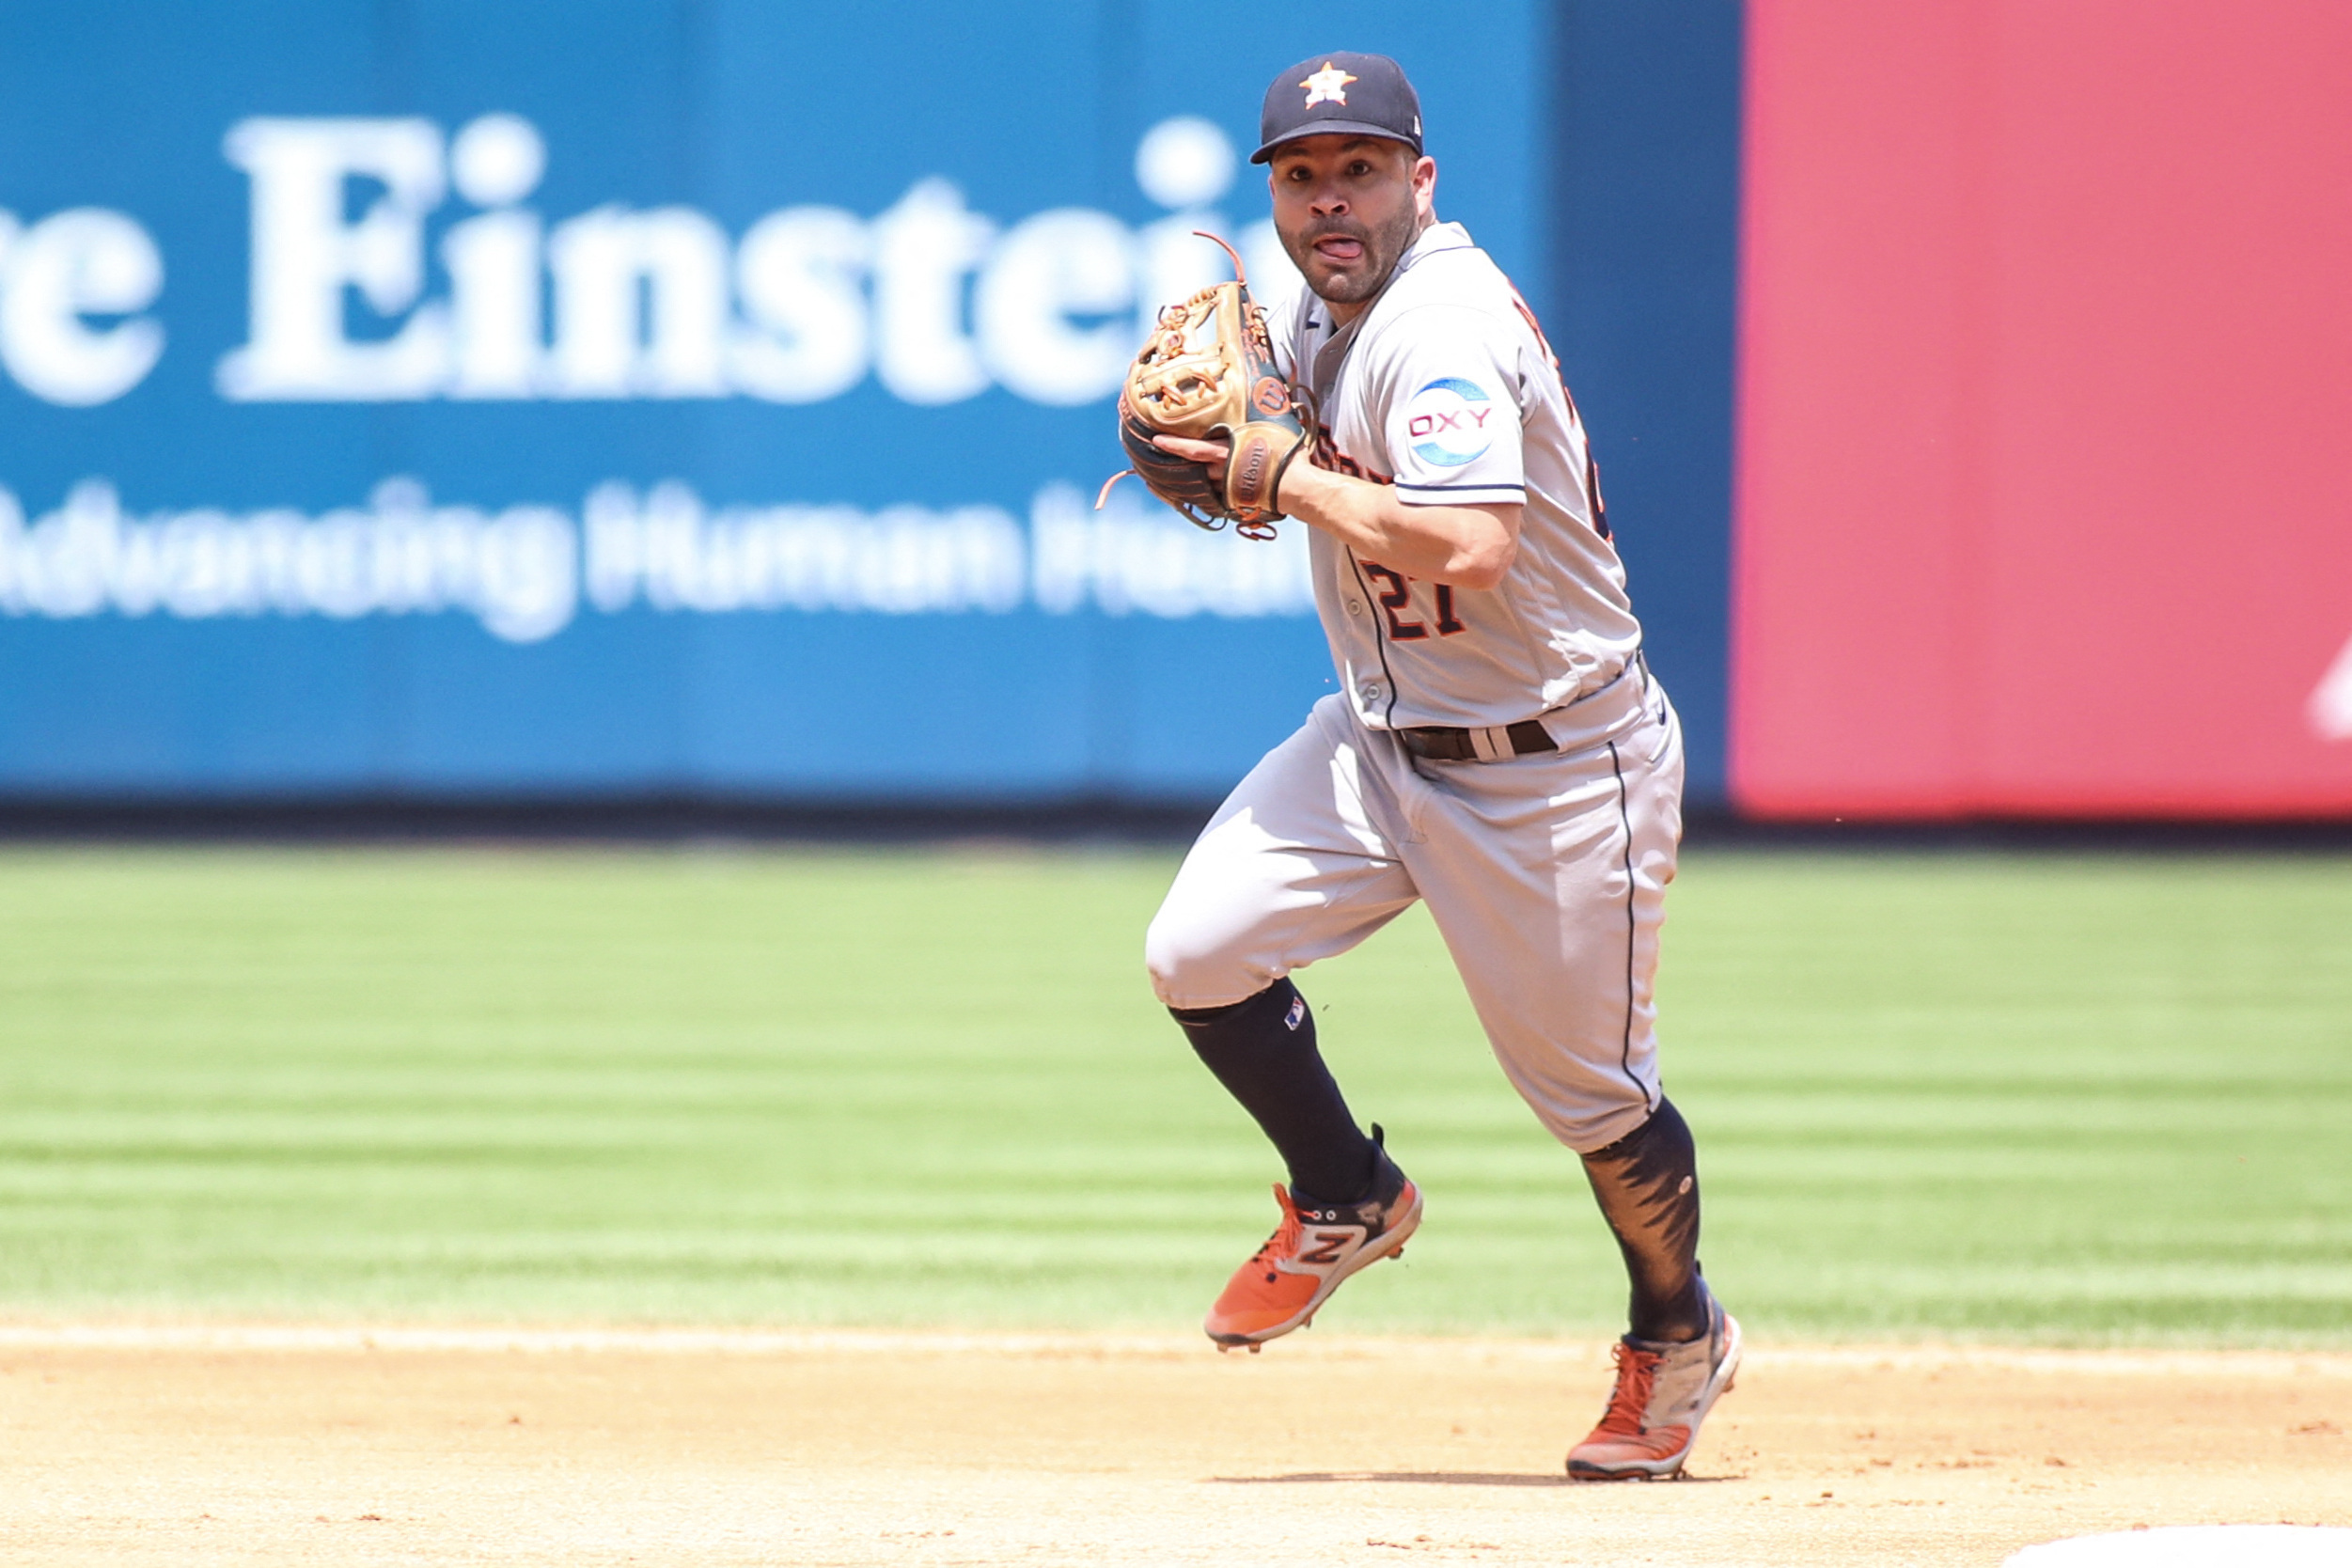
{"x":1648,"y":1185}
{"x":1263,"y":1050}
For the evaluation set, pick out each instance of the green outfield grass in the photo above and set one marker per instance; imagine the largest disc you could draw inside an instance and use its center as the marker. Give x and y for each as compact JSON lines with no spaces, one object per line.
{"x":2084,"y":1099}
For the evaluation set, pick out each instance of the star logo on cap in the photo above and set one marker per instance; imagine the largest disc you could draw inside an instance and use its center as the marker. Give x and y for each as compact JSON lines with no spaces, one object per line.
{"x":1328,"y":86}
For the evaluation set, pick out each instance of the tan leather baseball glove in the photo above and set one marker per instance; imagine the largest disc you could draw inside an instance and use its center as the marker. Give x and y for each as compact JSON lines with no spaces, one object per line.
{"x":1208,"y":372}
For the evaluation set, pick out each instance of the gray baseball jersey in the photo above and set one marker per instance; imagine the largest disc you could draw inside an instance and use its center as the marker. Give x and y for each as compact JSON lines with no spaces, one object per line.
{"x":1445,"y":389}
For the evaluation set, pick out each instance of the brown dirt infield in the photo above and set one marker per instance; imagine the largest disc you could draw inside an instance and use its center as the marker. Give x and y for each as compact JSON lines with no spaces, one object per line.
{"x":265,"y":1446}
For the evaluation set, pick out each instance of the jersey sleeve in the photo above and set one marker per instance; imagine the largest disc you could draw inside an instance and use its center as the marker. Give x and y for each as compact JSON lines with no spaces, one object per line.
{"x":1451,"y":420}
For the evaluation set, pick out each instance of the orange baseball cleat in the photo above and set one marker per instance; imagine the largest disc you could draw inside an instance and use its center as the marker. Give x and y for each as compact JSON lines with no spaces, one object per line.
{"x":1310,"y":1252}
{"x":1664,"y":1391}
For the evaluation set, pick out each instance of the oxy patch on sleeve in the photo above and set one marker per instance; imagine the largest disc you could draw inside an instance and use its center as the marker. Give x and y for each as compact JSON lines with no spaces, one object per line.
{"x":1450,"y":422}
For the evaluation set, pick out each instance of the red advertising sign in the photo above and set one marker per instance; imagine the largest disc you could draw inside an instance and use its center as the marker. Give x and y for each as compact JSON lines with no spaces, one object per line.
{"x":2044,"y":496}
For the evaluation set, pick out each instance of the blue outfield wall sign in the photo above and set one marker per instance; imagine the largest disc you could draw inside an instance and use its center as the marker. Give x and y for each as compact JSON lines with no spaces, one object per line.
{"x":437,"y":396}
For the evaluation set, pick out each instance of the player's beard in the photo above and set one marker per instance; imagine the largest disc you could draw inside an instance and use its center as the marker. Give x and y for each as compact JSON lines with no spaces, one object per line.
{"x":1359,"y":280}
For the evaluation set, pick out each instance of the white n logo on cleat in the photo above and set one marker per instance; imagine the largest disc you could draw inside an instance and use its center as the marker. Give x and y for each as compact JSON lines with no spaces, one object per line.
{"x":1329,"y":1248}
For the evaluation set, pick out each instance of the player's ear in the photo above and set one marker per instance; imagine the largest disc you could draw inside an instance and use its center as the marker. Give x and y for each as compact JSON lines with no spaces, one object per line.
{"x":1425,"y":187}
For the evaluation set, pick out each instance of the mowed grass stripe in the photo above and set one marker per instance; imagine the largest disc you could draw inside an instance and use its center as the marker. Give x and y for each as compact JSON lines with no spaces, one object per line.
{"x":2085,"y":1099}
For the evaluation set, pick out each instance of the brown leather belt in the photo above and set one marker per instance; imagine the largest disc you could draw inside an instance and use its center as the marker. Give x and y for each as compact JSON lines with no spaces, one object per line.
{"x":1445,"y":744}
{"x":1527,"y":738}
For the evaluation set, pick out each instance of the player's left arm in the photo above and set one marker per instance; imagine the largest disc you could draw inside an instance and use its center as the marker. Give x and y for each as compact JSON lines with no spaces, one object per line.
{"x":1453,"y":513}
{"x":1469,"y":546}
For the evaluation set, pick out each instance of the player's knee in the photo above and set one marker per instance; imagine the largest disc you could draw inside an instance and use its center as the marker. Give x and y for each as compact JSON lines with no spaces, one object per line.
{"x":1192,"y":964}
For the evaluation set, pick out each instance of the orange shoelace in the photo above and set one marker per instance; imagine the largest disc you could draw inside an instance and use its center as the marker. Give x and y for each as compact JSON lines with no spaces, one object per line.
{"x":1284,"y":1241}
{"x":1637,"y":1371}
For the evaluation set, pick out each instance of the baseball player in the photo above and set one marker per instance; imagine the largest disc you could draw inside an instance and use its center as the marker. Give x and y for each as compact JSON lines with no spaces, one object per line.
{"x":1498,"y":748}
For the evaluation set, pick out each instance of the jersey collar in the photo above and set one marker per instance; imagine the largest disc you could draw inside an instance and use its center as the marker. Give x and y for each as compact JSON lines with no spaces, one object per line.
{"x":1437,"y":237}
{"x":1434,"y":240}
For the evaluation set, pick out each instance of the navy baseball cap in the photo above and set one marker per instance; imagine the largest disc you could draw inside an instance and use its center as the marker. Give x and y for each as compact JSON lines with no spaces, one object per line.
{"x":1340,"y":94}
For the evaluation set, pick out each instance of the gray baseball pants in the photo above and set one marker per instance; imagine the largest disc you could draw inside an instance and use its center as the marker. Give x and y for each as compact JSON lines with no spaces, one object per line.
{"x":1546,"y":876}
